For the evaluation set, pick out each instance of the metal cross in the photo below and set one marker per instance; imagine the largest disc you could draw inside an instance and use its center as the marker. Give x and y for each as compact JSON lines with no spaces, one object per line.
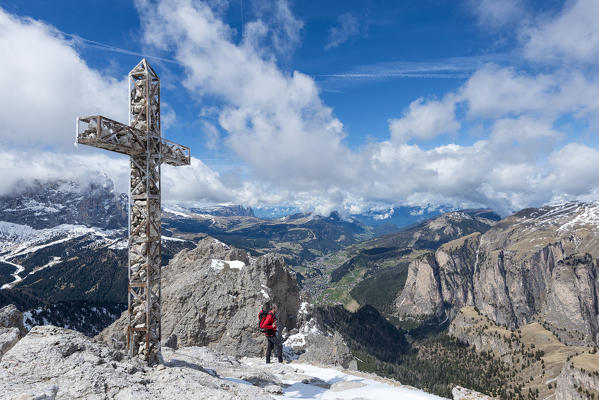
{"x":140,"y":140}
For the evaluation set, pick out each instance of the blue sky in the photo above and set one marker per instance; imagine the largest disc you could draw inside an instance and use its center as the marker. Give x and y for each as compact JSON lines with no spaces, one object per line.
{"x":322,"y":105}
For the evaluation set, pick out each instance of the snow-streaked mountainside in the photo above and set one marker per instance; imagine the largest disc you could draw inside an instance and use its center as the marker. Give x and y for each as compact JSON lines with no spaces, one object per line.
{"x":48,"y":204}
{"x":561,"y":217}
{"x":21,"y":243}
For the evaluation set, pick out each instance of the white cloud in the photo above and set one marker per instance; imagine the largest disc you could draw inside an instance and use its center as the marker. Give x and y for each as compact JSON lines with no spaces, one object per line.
{"x":290,"y":141}
{"x":282,"y":26}
{"x":46,"y":85}
{"x":425,"y":120}
{"x":495,"y":91}
{"x":349,"y":26}
{"x":570,"y":36}
{"x":195,"y":183}
{"x":188,"y":183}
{"x":23,"y":167}
{"x":276,"y":121}
{"x":573,"y":170}
{"x":494,"y":14}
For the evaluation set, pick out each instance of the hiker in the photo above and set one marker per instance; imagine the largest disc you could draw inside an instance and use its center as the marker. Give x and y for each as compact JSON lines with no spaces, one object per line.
{"x":268,"y":322}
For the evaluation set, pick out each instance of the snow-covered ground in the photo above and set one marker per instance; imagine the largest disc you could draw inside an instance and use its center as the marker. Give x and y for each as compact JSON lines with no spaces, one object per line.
{"x":16,"y":275}
{"x":335,"y":384}
{"x":20,"y":240}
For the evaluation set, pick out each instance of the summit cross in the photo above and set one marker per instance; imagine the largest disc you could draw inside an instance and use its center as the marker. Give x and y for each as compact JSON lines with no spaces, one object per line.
{"x":147,"y":150}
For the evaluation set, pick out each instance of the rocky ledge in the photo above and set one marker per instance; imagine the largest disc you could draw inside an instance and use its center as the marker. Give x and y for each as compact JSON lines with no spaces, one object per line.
{"x":11,"y":328}
{"x":211,"y":296}
{"x":57,"y":363}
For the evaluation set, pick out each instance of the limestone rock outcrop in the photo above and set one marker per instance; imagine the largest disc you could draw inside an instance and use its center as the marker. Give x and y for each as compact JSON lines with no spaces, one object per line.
{"x":314,"y":342}
{"x":57,"y":363}
{"x":328,"y":350}
{"x":11,"y":317}
{"x":11,"y":328}
{"x":579,"y":379}
{"x":211,"y":296}
{"x":421,"y":296}
{"x":538,"y":264}
{"x":460,"y":393}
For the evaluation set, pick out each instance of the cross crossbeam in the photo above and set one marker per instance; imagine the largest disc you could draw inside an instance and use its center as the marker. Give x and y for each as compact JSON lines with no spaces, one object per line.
{"x":147,"y":150}
{"x":105,"y":133}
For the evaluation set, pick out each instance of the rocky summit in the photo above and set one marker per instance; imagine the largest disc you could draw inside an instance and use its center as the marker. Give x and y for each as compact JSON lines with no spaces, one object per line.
{"x":57,"y":363}
{"x":211,"y":296}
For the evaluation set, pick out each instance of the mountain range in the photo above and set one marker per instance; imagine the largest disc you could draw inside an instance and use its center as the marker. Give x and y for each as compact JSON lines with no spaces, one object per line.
{"x":463,"y":288}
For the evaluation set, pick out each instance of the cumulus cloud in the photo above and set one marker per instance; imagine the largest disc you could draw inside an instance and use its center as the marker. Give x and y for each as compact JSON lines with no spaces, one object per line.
{"x":349,"y":26}
{"x":46,"y":85}
{"x":425,"y":120}
{"x":276,"y":121}
{"x":570,"y":36}
{"x":291,"y":143}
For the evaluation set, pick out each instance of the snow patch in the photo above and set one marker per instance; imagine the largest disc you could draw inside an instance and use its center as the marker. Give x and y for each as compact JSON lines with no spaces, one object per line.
{"x":235,"y":264}
{"x":174,"y":239}
{"x":119,"y":244}
{"x":216,"y":241}
{"x":176,"y":211}
{"x":15,"y":275}
{"x":346,"y":386}
{"x":304,"y":308}
{"x":15,"y":232}
{"x":219,"y":265}
{"x":55,"y":260}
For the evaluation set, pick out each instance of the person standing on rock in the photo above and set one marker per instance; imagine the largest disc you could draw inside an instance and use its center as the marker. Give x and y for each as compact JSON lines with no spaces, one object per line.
{"x":269,"y":324}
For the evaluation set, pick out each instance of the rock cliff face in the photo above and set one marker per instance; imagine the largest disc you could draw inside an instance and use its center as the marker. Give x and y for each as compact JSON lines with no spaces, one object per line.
{"x":539,"y":264}
{"x":579,"y":379}
{"x":211,"y":296}
{"x":421,"y":296}
{"x":11,"y":328}
{"x":315,"y":341}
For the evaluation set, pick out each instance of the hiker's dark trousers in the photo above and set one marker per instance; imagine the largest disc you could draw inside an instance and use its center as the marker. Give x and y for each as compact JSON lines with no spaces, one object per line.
{"x":274,"y":342}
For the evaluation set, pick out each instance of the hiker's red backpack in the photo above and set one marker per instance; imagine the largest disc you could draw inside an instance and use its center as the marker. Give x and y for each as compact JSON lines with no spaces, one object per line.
{"x":261,"y":317}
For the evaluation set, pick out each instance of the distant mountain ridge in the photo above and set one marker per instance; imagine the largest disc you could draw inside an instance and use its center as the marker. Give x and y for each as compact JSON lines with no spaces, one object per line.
{"x":540,"y":264}
{"x":48,"y":204}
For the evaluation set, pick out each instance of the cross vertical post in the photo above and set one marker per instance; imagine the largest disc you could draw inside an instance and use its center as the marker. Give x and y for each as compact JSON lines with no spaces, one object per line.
{"x":142,"y":141}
